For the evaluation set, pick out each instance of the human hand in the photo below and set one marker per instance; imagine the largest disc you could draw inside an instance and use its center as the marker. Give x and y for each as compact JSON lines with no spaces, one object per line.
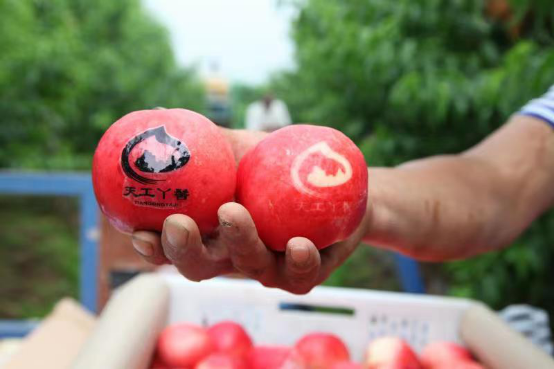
{"x":236,"y":247}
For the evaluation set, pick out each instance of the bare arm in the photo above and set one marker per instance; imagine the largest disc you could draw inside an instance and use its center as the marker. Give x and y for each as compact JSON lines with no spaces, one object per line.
{"x":451,"y":207}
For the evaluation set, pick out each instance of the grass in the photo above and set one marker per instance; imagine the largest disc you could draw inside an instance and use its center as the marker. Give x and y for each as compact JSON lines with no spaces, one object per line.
{"x":39,"y":254}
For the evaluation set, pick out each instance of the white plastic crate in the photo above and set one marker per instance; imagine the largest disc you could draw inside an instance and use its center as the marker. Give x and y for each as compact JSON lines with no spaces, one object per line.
{"x":418,"y":319}
{"x":126,"y":333}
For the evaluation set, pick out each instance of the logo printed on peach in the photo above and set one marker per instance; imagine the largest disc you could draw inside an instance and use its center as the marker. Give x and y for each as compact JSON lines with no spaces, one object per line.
{"x":317,"y":177}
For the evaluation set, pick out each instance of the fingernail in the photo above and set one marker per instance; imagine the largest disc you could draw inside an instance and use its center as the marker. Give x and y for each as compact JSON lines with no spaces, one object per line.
{"x":174,"y":232}
{"x":225,"y":223}
{"x":300,"y":254}
{"x":143,"y":247}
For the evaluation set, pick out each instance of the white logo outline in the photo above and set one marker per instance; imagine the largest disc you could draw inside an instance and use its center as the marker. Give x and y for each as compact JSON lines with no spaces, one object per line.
{"x":317,"y":177}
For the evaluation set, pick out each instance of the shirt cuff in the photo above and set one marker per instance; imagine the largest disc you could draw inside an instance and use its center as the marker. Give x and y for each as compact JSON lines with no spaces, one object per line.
{"x":542,"y":108}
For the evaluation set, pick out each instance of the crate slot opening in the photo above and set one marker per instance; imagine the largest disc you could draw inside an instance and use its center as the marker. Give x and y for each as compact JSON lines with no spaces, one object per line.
{"x":336,"y":310}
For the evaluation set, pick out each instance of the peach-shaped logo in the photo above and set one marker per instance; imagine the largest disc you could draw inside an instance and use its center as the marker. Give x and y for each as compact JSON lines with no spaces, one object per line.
{"x":317,"y":177}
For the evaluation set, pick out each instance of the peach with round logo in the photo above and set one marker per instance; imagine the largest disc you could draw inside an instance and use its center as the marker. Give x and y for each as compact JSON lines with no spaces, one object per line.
{"x":304,"y":181}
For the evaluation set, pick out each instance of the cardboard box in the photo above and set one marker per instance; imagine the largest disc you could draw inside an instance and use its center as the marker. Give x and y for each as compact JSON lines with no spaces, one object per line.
{"x":125,"y":335}
{"x":56,"y":342}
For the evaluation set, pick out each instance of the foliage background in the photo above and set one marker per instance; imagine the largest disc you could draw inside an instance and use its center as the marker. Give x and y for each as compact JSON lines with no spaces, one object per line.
{"x":405,"y":79}
{"x":67,"y":71}
{"x":408,"y":79}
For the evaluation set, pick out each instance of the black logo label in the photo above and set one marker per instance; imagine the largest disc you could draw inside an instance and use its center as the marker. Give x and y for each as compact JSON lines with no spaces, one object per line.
{"x":148,"y":162}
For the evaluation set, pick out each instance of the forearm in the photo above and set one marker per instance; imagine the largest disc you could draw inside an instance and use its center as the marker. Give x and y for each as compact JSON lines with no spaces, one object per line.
{"x":430,"y":209}
{"x":452,"y":207}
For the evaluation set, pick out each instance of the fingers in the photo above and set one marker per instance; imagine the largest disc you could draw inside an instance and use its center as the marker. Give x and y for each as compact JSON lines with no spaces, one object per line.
{"x":247,"y":252}
{"x":334,"y":255}
{"x":237,"y":247}
{"x":182,"y":245}
{"x":302,"y":265}
{"x":149,"y":247}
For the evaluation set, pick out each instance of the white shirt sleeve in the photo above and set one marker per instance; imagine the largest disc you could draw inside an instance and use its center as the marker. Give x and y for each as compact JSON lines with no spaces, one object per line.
{"x":285,"y":119}
{"x":258,"y":117}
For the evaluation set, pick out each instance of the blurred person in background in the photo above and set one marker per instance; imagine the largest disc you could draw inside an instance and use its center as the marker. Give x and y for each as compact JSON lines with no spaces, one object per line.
{"x":267,"y":114}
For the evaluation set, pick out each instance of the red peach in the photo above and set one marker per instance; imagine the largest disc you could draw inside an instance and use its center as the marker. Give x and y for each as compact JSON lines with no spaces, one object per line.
{"x":220,"y":360}
{"x":304,"y":181}
{"x":391,"y":353}
{"x":439,"y":354}
{"x":321,"y":350}
{"x":267,"y":357}
{"x":184,"y":345}
{"x":230,"y":338}
{"x":347,"y":365}
{"x":154,"y":163}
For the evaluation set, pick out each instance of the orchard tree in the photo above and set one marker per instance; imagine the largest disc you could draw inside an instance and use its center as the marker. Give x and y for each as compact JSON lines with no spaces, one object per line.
{"x":69,"y":68}
{"x":412,"y":78}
